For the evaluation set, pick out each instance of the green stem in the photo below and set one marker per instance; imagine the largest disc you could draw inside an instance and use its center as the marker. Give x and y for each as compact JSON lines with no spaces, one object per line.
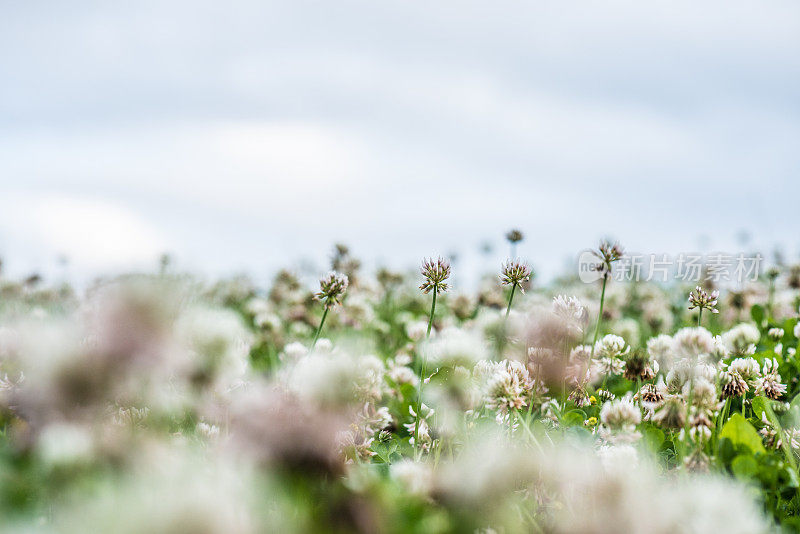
{"x":639,"y":390}
{"x":688,"y":410}
{"x":787,"y":451}
{"x":600,"y":314}
{"x":770,"y":298}
{"x":699,"y":316}
{"x":721,"y":418}
{"x":430,"y":320}
{"x":424,"y":371}
{"x":510,"y":299}
{"x":322,"y":322}
{"x":528,"y":430}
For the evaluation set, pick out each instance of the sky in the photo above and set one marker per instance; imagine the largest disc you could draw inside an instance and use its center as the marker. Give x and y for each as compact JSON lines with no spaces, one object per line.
{"x":247,"y":135}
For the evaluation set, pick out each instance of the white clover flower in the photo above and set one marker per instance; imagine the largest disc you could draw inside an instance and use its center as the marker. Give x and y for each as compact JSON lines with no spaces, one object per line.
{"x":732,"y":383}
{"x":415,"y":477}
{"x":507,"y":386}
{"x":332,"y":288}
{"x":770,"y":383}
{"x":660,"y":349}
{"x":612,"y":346}
{"x":747,"y":368}
{"x":401,"y":374}
{"x":416,"y":330}
{"x":435,"y":272}
{"x":256,"y":306}
{"x":324,"y":345}
{"x":775,"y":333}
{"x":402,"y":359}
{"x":692,"y":342}
{"x":514,"y":273}
{"x":686,"y":369}
{"x":699,"y":298}
{"x":739,"y":338}
{"x":268,"y":320}
{"x":569,"y":308}
{"x":294,"y":351}
{"x":607,"y":366}
{"x":336,"y":379}
{"x":720,"y":351}
{"x":457,"y":346}
{"x":621,"y":414}
{"x":218,"y":341}
{"x":705,"y":393}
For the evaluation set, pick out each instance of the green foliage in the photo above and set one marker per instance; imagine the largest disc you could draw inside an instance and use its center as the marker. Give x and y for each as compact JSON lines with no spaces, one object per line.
{"x":738,"y":436}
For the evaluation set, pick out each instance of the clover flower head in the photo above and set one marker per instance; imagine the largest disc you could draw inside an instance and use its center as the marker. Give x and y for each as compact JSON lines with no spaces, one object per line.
{"x":733,"y":385}
{"x":332,"y":287}
{"x":770,"y":383}
{"x":672,"y":413}
{"x":609,"y":253}
{"x":621,"y":414}
{"x":612,"y":346}
{"x":569,"y":308}
{"x":515,"y":236}
{"x":513,"y":273}
{"x":746,"y":367}
{"x":775,"y":334}
{"x":435,"y":273}
{"x":700,"y":298}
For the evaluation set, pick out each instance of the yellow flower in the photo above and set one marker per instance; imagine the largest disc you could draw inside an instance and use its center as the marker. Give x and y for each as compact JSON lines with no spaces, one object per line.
{"x":591,"y":421}
{"x":593,"y":399}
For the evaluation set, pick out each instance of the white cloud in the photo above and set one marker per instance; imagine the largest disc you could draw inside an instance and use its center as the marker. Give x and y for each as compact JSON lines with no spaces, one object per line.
{"x":94,"y":234}
{"x":263,"y":131}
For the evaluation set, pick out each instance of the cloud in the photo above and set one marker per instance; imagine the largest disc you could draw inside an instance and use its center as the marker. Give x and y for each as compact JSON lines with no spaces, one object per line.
{"x":93,"y":234}
{"x":260,"y":132}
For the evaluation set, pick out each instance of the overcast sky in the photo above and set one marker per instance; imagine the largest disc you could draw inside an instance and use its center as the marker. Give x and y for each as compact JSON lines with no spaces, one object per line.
{"x":245,"y":135}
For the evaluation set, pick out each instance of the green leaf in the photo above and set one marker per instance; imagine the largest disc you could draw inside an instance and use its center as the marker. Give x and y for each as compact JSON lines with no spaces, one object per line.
{"x":757,"y":313}
{"x":653,"y":437}
{"x":744,"y":467}
{"x":740,"y":432}
{"x":574,"y":418}
{"x":759,"y":405}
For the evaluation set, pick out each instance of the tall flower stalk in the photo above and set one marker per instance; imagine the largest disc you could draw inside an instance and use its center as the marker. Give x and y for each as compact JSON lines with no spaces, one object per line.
{"x":435,"y":274}
{"x":514,"y":273}
{"x":332,"y":287}
{"x":513,"y":237}
{"x":609,"y":254}
{"x":772,"y":276}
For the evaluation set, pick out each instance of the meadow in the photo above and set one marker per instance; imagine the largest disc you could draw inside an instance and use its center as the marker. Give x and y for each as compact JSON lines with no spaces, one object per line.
{"x":394,"y":402}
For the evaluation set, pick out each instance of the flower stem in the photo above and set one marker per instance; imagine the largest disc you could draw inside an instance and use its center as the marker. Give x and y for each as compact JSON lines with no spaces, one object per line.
{"x":510,"y":299}
{"x":319,"y":330}
{"x":423,"y":372}
{"x":689,"y":401}
{"x":430,"y":320}
{"x":699,"y":315}
{"x":770,"y":297}
{"x":600,"y":314}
